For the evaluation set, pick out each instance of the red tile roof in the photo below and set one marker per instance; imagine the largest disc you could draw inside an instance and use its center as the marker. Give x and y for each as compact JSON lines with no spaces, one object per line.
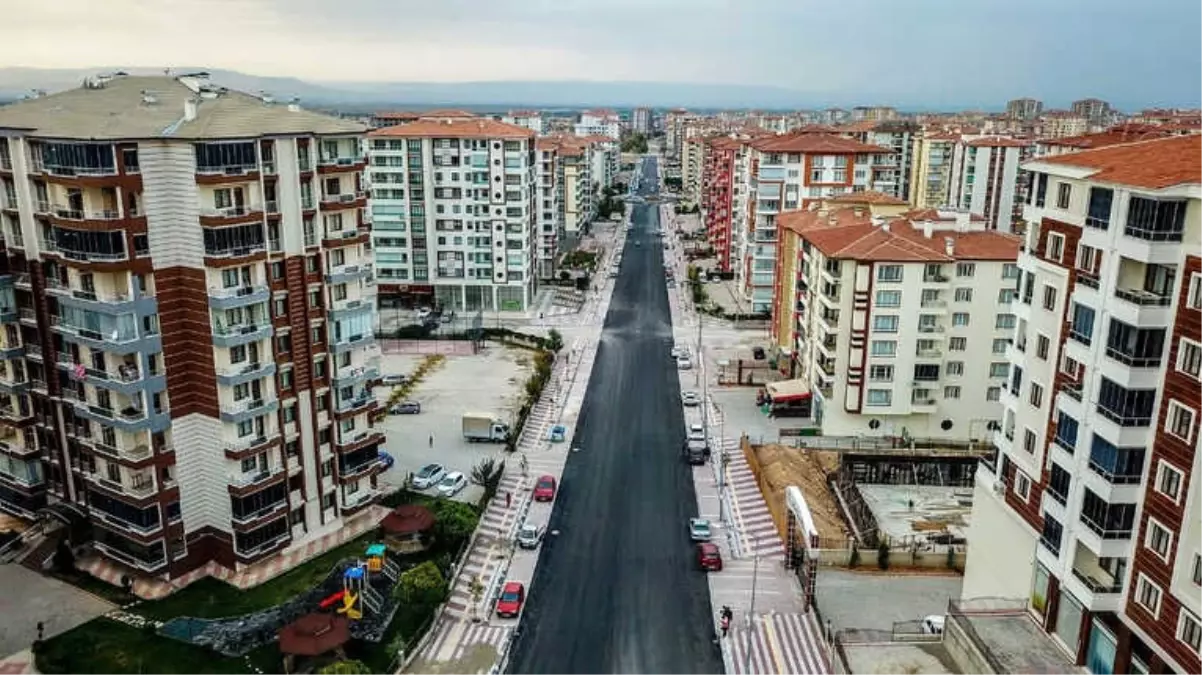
{"x":1123,"y":133}
{"x":868,"y":197}
{"x":998,"y":142}
{"x":1154,"y":164}
{"x":476,"y":127}
{"x":398,"y":115}
{"x":818,"y":144}
{"x":444,"y":113}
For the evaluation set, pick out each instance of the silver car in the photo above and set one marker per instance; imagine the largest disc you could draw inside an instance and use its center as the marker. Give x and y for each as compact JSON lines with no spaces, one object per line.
{"x":691,"y":399}
{"x":530,"y":536}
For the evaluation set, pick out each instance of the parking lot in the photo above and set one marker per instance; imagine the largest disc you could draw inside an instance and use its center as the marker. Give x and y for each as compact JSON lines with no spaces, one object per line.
{"x":492,"y":381}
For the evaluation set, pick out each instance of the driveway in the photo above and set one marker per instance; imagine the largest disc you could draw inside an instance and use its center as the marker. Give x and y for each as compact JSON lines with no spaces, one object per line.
{"x":29,"y":597}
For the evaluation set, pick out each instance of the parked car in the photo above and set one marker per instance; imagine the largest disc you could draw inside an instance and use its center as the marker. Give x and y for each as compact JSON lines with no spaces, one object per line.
{"x":530,"y":535}
{"x":386,"y":460}
{"x":405,"y":408}
{"x":709,"y":558}
{"x":696,"y":432}
{"x":513,"y":594}
{"x":684,"y":363}
{"x":699,"y":529}
{"x":428,"y":476}
{"x":691,"y":399}
{"x":452,"y":484}
{"x":393,"y":380}
{"x":424,"y":313}
{"x":758,"y":353}
{"x":544,"y":489}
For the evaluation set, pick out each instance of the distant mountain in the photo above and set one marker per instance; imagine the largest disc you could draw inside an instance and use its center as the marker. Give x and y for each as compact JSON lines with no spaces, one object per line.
{"x":17,"y":82}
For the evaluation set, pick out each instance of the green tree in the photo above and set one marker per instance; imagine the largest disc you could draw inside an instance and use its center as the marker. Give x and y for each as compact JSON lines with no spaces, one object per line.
{"x":453,"y":521}
{"x":487,"y":474}
{"x":421,"y":586}
{"x":554,"y":340}
{"x":345,"y":668}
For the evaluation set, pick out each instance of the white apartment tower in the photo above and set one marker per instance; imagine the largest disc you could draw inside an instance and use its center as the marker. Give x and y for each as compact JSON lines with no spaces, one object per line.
{"x":549,"y":222}
{"x":985,"y":179}
{"x":453,"y":209}
{"x":189,"y":345}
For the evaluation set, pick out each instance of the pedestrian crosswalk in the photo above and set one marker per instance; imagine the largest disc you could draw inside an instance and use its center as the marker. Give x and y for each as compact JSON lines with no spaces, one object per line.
{"x":461,"y":646}
{"x":777,"y":643}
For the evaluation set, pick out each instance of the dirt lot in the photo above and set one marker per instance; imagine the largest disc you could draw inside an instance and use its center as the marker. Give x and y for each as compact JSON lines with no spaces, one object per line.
{"x":782,"y":466}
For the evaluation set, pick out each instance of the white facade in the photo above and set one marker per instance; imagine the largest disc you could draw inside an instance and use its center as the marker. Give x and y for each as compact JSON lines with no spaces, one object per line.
{"x":549,"y":208}
{"x":985,"y":180}
{"x":531,"y":120}
{"x":599,"y":124}
{"x":458,"y":214}
{"x":641,"y":120}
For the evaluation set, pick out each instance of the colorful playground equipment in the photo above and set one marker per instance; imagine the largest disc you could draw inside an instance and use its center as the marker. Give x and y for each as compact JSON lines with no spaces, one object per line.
{"x":357,"y":594}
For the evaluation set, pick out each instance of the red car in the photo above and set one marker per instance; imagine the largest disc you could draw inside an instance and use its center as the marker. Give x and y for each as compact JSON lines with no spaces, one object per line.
{"x":709,"y":558}
{"x":544,"y":489}
{"x":513,"y":594}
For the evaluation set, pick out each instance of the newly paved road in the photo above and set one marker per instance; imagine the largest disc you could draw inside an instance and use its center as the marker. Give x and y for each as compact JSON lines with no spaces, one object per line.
{"x":617,"y":590}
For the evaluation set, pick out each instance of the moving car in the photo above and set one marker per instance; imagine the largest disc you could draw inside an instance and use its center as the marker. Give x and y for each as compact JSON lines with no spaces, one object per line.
{"x":699,"y":529}
{"x":709,"y":558}
{"x":452,"y":484}
{"x":386,"y":460}
{"x":405,"y":408}
{"x":392,"y":380}
{"x":428,"y":476}
{"x":513,"y":594}
{"x":544,"y":489}
{"x":683,"y":363}
{"x":530,"y":535}
{"x":691,"y":399}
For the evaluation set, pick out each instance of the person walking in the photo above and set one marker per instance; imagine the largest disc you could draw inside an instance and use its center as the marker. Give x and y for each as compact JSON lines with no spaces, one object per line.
{"x":431,"y":440}
{"x":508,"y":499}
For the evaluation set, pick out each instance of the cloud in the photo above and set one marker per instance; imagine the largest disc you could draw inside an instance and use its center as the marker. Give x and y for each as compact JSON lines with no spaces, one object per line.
{"x":934,"y":51}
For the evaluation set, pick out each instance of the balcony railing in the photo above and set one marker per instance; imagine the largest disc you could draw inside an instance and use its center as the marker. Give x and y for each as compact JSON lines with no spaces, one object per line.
{"x":235,"y":291}
{"x":1143,"y":298}
{"x":1104,"y":531}
{"x":243,"y":480}
{"x":67,"y":213}
{"x":237,"y":251}
{"x":141,"y":488}
{"x":227,"y":169}
{"x":262,"y":512}
{"x":1096,"y":585}
{"x":239,"y":329}
{"x":245,"y":405}
{"x":1115,"y":478}
{"x":230,"y":211}
{"x":1088,"y":279}
{"x":339,"y":161}
{"x":1073,"y":390}
{"x":263,"y":547}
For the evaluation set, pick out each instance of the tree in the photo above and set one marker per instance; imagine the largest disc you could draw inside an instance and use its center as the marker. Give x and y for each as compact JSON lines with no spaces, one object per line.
{"x":453,"y":521}
{"x":554,"y":340}
{"x":346,"y":668}
{"x":421,"y":586}
{"x":487,"y":474}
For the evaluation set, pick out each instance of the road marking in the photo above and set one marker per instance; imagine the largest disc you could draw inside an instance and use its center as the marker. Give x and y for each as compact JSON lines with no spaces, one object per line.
{"x":773,"y":643}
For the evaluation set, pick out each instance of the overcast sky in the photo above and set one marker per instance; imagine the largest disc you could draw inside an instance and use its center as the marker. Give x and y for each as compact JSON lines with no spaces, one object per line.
{"x":1131,"y":52}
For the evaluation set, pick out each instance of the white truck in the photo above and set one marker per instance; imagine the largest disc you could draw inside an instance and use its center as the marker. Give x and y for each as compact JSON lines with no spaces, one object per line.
{"x":484,"y":428}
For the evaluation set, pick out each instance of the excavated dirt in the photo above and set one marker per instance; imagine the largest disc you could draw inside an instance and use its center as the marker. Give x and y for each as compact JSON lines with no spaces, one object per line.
{"x":783,"y":466}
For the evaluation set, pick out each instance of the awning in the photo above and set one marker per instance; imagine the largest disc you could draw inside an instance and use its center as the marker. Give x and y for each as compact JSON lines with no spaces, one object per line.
{"x":787,"y":391}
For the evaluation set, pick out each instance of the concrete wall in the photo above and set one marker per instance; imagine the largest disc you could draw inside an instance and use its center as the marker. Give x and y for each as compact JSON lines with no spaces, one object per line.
{"x":1002,"y":549}
{"x":898,"y":558}
{"x":961,"y":648}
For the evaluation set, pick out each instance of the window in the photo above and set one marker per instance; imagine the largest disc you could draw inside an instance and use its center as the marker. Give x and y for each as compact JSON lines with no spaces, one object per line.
{"x":951,"y":392}
{"x":1064,"y":193}
{"x":1197,"y":573}
{"x":1147,"y":594}
{"x":1180,"y":421}
{"x":1168,"y":481}
{"x":280,"y":307}
{"x":884,"y":348}
{"x":1004,"y":321}
{"x":1189,"y":630}
{"x":1081,"y":328}
{"x":1055,"y":250}
{"x":888,"y":298}
{"x":1042,"y":345}
{"x":881,"y":373}
{"x":1194,"y":299}
{"x":955,"y":367}
{"x":1189,"y":357}
{"x":884,"y":324}
{"x":965,"y":269}
{"x":963,"y":295}
{"x":889,"y":273}
{"x":999,"y":345}
{"x":1010,"y":271}
{"x":1022,"y":485}
{"x":1036,"y":395}
{"x":1041,"y":189}
{"x":1158,"y":539}
{"x":1098,"y":215}
{"x":957,"y":344}
{"x":1030,"y":440}
{"x":1049,"y":297}
{"x":999,"y":369}
{"x":879,"y":397}
{"x":960,"y":319}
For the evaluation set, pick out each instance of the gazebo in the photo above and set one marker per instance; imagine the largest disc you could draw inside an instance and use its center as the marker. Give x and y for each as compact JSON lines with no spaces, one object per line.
{"x":404,"y":527}
{"x":313,"y":635}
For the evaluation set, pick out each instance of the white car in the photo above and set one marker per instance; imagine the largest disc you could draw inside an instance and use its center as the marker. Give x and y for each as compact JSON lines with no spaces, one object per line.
{"x":424,"y":313}
{"x":696,"y":432}
{"x":684,"y":363}
{"x":452,"y":484}
{"x":392,"y":380}
{"x":679,"y":351}
{"x":428,"y":476}
{"x":530,"y":535}
{"x":691,"y":399}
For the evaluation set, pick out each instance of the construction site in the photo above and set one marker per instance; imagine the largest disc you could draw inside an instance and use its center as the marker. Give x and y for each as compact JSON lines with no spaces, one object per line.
{"x":915,"y":496}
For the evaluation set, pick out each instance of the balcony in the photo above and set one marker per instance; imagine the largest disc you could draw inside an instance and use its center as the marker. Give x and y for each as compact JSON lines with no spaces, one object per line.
{"x":327,"y":165}
{"x":928,"y":354}
{"x":931,"y":329}
{"x":139,"y":487}
{"x":128,"y":418}
{"x":277,"y":508}
{"x":108,"y":302}
{"x":241,"y":373}
{"x":263,"y":548}
{"x":355,"y":405}
{"x":243,"y":483}
{"x":344,"y":200}
{"x":116,"y":521}
{"x":1088,"y":279}
{"x":135,"y":455}
{"x":923,"y":404}
{"x":353,"y":374}
{"x":247,"y":408}
{"x":935,"y":278}
{"x":237,"y":296}
{"x":936,"y":306}
{"x":349,"y":342}
{"x":146,"y":564}
{"x":348,"y":273}
{"x":122,"y":340}
{"x":241,"y":334}
{"x":251,"y":445}
{"x":230,"y":215}
{"x":236,"y":252}
{"x":227,"y":173}
{"x":1099,"y":577}
{"x":126,"y":378}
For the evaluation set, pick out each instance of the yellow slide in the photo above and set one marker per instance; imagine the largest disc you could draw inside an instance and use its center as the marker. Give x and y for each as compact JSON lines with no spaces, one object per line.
{"x":348,"y":607}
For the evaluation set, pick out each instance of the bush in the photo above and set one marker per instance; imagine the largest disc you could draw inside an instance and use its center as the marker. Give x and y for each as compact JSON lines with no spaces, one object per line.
{"x":554,"y":340}
{"x":882,"y":555}
{"x":855,"y":556}
{"x":422,"y":585}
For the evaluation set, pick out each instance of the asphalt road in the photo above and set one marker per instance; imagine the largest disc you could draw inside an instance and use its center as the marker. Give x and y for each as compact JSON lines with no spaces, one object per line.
{"x":617,"y":590}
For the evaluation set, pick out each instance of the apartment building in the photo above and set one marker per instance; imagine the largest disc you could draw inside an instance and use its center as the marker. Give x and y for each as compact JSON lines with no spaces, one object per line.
{"x":528,"y":119}
{"x":884,"y":316}
{"x":692,"y":167}
{"x":780,"y":173}
{"x":986,"y":181}
{"x":454,"y":212}
{"x":933,"y":156}
{"x":717,"y":187}
{"x":549,"y":217}
{"x":599,"y":123}
{"x":1122,"y":133}
{"x":1024,"y":108}
{"x":605,"y":157}
{"x":575,"y":174}
{"x":1061,"y":123}
{"x":641,"y":121}
{"x":674,"y":124}
{"x":898,"y":136}
{"x":873,"y":113}
{"x":1095,"y":110}
{"x":188,"y":327}
{"x":1090,"y":509}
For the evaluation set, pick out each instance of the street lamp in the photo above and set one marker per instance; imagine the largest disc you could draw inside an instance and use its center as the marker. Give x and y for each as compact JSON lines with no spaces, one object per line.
{"x":755,"y":573}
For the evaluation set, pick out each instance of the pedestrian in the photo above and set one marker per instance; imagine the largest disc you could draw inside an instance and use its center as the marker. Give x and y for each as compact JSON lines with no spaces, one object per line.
{"x":431,"y":440}
{"x":41,"y":631}
{"x":508,"y":499}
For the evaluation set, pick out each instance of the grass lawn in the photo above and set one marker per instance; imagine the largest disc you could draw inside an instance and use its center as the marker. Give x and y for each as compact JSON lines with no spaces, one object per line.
{"x":107,"y":646}
{"x":211,"y":598}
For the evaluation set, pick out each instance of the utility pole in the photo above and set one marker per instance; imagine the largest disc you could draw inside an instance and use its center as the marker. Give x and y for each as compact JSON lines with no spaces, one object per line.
{"x":755,"y":573}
